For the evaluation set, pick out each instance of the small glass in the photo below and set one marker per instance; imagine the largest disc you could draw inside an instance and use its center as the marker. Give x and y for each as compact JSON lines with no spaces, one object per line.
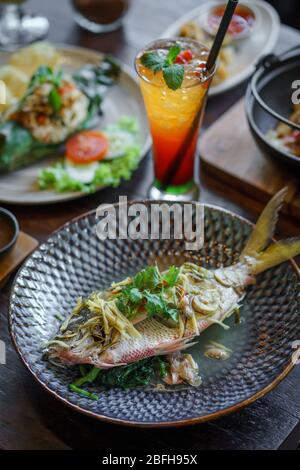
{"x":100,"y":16}
{"x":175,"y":118}
{"x":18,"y":28}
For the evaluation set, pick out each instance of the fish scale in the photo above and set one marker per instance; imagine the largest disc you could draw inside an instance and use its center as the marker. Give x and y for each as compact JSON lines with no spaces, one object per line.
{"x":153,"y":335}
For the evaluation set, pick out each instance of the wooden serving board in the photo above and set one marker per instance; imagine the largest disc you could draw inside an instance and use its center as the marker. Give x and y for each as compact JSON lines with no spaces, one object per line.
{"x":12,"y":260}
{"x":230,"y":154}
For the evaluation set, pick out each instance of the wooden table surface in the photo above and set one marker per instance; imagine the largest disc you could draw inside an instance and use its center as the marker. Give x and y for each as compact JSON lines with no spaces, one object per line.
{"x":29,"y":418}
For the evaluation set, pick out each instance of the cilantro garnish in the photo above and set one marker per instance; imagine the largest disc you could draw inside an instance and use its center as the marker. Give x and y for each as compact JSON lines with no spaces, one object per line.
{"x":173,"y":73}
{"x":171,"y":276}
{"x":156,"y":305}
{"x":148,"y":278}
{"x":134,"y":295}
{"x":146,"y":292}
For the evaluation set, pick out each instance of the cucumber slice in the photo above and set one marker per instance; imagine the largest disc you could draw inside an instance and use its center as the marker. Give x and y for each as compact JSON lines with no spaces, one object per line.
{"x":119,"y":142}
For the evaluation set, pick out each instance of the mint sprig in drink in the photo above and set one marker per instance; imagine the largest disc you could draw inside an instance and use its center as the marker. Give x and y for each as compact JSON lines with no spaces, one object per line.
{"x":174,"y":84}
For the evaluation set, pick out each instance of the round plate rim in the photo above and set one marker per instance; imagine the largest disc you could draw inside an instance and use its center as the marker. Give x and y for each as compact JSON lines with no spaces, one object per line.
{"x":146,"y":424}
{"x":70,"y":196}
{"x":247,"y":71}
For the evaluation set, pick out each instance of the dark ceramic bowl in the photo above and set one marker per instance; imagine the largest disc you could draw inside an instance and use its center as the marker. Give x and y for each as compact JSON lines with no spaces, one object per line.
{"x":13,"y":223}
{"x":73,"y":262}
{"x":269,"y":102}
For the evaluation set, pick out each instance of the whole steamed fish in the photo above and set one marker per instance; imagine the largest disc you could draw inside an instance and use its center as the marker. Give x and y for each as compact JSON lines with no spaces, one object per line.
{"x":158,"y":313}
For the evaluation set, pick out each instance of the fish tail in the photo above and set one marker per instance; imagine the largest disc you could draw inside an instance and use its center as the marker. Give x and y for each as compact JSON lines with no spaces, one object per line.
{"x":275,"y":254}
{"x":257,"y":253}
{"x":265,"y":226}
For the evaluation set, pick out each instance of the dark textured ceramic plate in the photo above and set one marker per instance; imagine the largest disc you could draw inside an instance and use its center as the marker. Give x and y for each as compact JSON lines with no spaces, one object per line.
{"x":73,"y":262}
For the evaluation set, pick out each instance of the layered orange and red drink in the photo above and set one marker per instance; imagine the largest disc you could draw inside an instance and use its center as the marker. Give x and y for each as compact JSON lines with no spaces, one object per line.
{"x":174,"y":84}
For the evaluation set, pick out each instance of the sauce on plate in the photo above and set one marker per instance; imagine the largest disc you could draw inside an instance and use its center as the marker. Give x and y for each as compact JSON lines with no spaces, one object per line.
{"x":241,"y":23}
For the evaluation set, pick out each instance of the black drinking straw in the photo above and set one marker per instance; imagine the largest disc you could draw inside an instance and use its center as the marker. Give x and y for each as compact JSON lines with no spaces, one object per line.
{"x":210,"y":64}
{"x":221,"y":33}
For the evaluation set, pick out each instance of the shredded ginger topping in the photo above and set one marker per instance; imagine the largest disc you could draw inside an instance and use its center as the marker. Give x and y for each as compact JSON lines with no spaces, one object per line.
{"x":94,"y":322}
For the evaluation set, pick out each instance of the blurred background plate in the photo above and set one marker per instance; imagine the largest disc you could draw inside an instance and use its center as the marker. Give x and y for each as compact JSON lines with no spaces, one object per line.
{"x":124,"y":98}
{"x":248,"y":51}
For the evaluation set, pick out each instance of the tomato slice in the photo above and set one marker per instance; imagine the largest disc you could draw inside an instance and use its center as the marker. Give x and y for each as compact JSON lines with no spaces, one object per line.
{"x":86,"y":147}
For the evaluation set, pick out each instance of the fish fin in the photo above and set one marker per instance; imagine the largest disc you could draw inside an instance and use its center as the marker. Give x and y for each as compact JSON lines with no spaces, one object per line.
{"x":105,"y":366}
{"x":175,"y":346}
{"x":265,"y":226}
{"x":276,"y":254}
{"x":139,"y":318}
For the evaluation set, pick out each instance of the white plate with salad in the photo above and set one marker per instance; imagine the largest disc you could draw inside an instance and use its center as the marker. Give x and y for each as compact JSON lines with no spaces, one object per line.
{"x":73,"y":123}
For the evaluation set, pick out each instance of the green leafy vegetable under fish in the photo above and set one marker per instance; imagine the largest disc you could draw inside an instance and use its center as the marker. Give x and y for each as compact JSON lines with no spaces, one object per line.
{"x":140,"y":373}
{"x":82,"y":392}
{"x":18,"y":148}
